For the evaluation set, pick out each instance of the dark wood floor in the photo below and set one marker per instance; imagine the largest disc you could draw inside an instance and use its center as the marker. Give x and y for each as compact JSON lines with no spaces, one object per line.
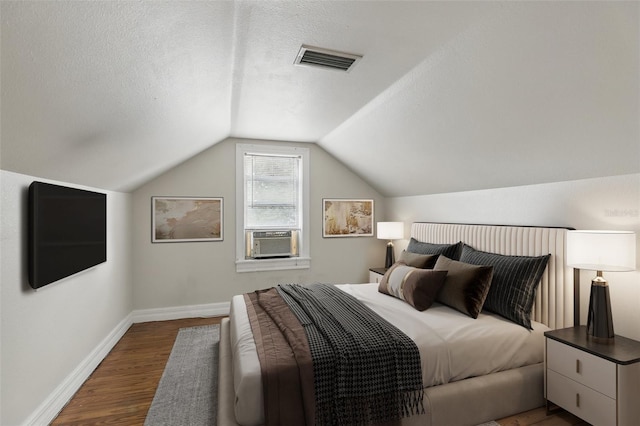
{"x":120,"y":390}
{"x":539,"y":417}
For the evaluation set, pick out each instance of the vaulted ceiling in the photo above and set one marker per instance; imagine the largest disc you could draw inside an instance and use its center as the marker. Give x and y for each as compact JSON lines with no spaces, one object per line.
{"x":449,"y":96}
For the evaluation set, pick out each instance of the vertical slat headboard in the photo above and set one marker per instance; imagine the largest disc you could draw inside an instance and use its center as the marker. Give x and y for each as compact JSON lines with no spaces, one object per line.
{"x":554,"y":305}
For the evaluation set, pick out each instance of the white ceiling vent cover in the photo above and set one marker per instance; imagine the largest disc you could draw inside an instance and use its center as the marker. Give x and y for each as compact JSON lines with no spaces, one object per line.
{"x":325,"y":58}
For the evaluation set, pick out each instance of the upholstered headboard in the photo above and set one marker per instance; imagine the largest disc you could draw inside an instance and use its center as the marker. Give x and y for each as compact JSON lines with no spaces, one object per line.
{"x":554,"y":305}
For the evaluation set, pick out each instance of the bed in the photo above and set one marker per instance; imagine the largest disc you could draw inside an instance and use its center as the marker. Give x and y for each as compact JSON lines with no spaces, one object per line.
{"x":462,"y":391}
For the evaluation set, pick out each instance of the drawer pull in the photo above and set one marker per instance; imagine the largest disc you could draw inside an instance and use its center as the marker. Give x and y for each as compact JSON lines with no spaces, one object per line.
{"x":577,"y":366}
{"x":578,"y":400}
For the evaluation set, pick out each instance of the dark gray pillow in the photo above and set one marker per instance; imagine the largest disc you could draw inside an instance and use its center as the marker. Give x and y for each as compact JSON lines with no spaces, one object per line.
{"x":465,"y":287}
{"x":424,"y":261}
{"x":418,"y":287}
{"x":452,"y":251}
{"x":515,"y":280}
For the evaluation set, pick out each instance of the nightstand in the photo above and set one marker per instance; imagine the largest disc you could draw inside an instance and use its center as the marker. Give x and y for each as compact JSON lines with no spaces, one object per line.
{"x":598,"y":381}
{"x":376,"y":274}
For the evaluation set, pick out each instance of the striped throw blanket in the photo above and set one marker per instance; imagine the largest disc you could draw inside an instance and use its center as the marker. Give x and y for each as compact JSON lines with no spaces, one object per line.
{"x":365,"y":370}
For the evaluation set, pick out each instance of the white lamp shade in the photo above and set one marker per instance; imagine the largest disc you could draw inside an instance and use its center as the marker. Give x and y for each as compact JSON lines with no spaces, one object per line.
{"x":390,"y":230}
{"x":602,"y":250}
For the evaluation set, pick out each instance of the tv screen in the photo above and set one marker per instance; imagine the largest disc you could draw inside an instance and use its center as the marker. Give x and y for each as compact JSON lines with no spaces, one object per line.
{"x":67,"y":232}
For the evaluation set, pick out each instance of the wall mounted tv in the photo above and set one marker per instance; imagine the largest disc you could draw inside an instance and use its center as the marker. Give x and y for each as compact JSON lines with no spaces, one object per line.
{"x":67,"y":232}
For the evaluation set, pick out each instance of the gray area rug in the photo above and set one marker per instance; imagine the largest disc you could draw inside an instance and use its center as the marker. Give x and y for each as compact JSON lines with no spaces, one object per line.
{"x":187,"y":394}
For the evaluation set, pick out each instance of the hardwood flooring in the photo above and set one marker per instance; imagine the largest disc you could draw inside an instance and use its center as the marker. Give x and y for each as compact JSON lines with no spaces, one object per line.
{"x":120,"y":390}
{"x":538,"y":417}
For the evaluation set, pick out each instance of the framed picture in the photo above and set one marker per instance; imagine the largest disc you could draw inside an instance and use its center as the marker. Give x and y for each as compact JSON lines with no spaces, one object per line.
{"x":183,"y":219}
{"x":347,"y":218}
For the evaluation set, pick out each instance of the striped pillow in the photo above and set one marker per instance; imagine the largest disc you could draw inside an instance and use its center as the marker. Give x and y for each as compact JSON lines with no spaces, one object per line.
{"x":514,"y":284}
{"x":418,"y":287}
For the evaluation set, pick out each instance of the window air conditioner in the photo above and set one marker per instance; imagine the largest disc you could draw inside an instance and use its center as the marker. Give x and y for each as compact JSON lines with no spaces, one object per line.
{"x":265,"y":244}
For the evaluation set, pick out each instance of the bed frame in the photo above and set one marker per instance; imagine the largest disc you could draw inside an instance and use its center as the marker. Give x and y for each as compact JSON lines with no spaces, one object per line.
{"x":478,"y":399}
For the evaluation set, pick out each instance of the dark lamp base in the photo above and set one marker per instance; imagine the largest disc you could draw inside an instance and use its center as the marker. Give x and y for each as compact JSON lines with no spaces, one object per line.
{"x":389,"y":260}
{"x":599,"y":318}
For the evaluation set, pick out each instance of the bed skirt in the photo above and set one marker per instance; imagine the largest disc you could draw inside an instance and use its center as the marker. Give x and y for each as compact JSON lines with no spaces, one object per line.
{"x":466,"y":402}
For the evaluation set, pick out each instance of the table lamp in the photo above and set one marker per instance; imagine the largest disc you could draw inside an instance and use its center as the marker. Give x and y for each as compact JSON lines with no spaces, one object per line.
{"x":390,"y":231}
{"x":601,"y":251}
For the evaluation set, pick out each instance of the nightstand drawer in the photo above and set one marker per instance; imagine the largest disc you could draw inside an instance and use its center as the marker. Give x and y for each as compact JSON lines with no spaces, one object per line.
{"x":589,"y":370}
{"x":589,"y":405}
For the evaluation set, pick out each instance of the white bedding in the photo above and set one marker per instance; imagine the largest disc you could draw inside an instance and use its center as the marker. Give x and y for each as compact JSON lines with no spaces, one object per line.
{"x":452,"y":345}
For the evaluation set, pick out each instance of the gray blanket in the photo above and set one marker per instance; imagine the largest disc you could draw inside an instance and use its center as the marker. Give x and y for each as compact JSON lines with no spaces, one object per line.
{"x":366,"y":371}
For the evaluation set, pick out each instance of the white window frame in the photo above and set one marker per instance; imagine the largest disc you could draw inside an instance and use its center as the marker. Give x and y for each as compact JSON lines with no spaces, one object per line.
{"x":303,"y":261}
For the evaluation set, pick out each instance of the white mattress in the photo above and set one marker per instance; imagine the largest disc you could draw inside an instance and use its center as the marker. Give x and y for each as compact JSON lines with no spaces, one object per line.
{"x":452,"y":345}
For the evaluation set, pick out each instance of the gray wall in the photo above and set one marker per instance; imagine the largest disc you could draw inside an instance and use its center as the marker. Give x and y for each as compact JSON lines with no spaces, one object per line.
{"x":611,"y":203}
{"x":47,"y":334}
{"x":182,"y":274}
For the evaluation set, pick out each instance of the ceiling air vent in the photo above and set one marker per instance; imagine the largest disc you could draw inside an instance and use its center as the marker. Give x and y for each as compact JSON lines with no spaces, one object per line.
{"x":325,"y":58}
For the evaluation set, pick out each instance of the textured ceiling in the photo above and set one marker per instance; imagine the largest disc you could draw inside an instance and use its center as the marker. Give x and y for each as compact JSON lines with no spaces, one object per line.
{"x":449,"y":96}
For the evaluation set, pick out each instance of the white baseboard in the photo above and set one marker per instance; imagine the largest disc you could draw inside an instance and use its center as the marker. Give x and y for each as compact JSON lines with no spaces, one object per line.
{"x":50,"y":407}
{"x":179,"y":312}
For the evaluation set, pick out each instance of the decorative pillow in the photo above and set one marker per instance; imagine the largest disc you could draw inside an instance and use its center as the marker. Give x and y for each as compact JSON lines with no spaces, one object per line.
{"x":418,"y":287}
{"x":452,"y":251}
{"x":423,"y":261}
{"x":515,"y":280}
{"x":466,"y":286}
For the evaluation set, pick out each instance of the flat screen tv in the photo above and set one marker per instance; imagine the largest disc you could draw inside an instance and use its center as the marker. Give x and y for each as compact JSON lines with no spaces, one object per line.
{"x":67,"y":232}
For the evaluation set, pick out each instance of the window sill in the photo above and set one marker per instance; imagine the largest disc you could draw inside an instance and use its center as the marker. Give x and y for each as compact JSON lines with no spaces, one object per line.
{"x":255,"y":265}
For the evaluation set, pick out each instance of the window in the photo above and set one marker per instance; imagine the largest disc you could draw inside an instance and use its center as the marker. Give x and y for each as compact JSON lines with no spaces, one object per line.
{"x":272,"y":191}
{"x":272,"y":194}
